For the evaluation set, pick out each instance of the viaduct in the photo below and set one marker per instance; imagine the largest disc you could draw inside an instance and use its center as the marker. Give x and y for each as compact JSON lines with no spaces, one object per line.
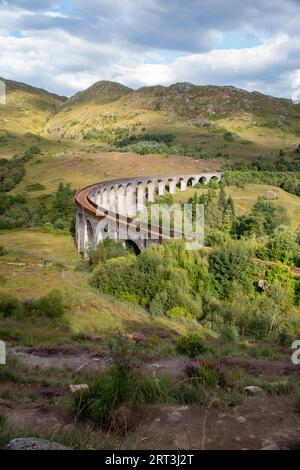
{"x":110,"y":207}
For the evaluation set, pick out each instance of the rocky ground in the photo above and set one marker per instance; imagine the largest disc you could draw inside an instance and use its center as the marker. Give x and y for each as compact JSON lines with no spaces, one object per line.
{"x":258,"y":421}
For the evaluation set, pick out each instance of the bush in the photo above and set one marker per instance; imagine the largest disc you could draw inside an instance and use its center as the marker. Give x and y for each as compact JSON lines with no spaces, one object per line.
{"x":191,"y":345}
{"x":179,"y":313}
{"x":59,"y":223}
{"x":106,"y":250}
{"x":228,"y":334}
{"x":51,"y":305}
{"x":9,"y":305}
{"x":108,"y":390}
{"x":210,"y":374}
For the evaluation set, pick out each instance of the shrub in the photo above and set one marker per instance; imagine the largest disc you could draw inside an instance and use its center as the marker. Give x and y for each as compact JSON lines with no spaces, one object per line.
{"x":51,"y":305}
{"x":111,"y":388}
{"x":231,"y":264}
{"x":59,"y":223}
{"x":105,"y":250}
{"x":210,"y":374}
{"x":9,"y":305}
{"x":191,"y":345}
{"x":35,"y":187}
{"x":228,"y":334}
{"x":179,"y":313}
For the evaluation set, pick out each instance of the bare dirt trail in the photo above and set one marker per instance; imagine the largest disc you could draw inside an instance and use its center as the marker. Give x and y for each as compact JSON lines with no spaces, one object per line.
{"x":256,"y":422}
{"x":85,"y":359}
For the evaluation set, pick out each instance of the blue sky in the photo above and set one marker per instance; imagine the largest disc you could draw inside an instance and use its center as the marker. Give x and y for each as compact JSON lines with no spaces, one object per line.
{"x":65,"y":46}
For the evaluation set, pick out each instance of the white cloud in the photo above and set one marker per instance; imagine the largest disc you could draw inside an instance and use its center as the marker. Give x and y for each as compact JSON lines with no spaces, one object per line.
{"x":132,"y":43}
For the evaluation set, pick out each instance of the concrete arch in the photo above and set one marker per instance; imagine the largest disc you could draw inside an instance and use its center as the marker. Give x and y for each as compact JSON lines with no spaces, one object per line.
{"x":172,"y":185}
{"x":133,"y":246}
{"x":140,"y":196}
{"x":120,"y":200}
{"x":161,"y":187}
{"x":181,"y":183}
{"x":105,"y":201}
{"x":130,"y":200}
{"x":150,"y":191}
{"x":80,"y":231}
{"x":213,"y":178}
{"x":203,"y":180}
{"x":112,"y":198}
{"x":191,"y":181}
{"x":89,"y":236}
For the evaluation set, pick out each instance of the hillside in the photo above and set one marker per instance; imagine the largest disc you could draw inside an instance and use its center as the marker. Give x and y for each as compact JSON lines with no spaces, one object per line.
{"x":221,"y":122}
{"x":27,"y":108}
{"x":99,"y":93}
{"x":24,"y":116}
{"x":197,"y":116}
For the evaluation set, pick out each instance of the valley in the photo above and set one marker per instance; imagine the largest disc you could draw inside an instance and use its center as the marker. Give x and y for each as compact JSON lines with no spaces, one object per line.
{"x":178,"y":350}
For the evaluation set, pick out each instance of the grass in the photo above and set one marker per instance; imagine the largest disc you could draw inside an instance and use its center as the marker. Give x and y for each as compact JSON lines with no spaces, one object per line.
{"x":17,"y":372}
{"x":25,"y":276}
{"x":80,"y":168}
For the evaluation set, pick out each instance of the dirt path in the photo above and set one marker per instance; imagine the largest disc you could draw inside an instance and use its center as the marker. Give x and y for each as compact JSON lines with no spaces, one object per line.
{"x":77,"y":358}
{"x":35,"y":417}
{"x":254,"y":424}
{"x":84,"y":359}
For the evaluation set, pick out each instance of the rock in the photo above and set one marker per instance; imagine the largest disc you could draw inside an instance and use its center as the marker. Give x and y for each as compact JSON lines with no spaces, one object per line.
{"x":253,"y":390}
{"x":241,"y":419}
{"x":82,"y":366}
{"x":78,"y":388}
{"x":137,"y":337}
{"x":262,"y":286}
{"x":33,"y":444}
{"x":174,"y":417}
{"x":271,"y":447}
{"x":91,"y":337}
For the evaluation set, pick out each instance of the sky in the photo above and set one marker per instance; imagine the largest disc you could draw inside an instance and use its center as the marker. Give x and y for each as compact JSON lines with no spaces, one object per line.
{"x":66,"y":46}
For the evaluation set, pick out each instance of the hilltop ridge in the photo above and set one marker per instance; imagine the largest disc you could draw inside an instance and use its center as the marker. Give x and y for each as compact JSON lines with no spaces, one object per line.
{"x":197,"y":116}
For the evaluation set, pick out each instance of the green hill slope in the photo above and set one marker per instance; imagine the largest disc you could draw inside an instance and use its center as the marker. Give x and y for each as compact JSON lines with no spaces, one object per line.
{"x":223,"y":121}
{"x":24,"y":116}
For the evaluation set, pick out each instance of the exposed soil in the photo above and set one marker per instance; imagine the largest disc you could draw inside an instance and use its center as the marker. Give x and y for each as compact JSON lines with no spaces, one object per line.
{"x":255,"y":423}
{"x":84,"y":359}
{"x":76,"y":358}
{"x":41,"y":417}
{"x":262,"y":366}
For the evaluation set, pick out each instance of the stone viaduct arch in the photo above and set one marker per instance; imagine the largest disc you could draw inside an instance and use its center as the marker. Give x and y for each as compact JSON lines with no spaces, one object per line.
{"x":107,"y":209}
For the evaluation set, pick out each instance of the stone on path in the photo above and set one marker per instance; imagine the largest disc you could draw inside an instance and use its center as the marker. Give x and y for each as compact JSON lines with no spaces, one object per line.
{"x":33,"y":444}
{"x":253,"y":390}
{"x":78,"y":388}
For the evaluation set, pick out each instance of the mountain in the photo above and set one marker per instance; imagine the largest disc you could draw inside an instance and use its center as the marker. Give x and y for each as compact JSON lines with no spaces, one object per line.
{"x":222,"y":121}
{"x":197,"y":116}
{"x":27,"y":108}
{"x":101,"y":92}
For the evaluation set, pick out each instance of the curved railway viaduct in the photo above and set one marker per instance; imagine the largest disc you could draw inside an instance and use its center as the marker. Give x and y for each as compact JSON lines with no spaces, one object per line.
{"x":109,"y":208}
